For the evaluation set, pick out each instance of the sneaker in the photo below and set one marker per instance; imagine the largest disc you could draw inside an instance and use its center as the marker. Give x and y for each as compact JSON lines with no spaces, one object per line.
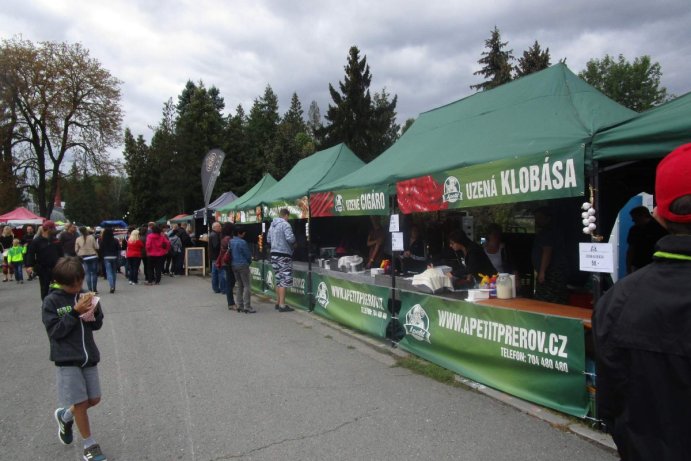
{"x":250,"y":310}
{"x":64,"y":429}
{"x":93,"y":453}
{"x":130,"y":282}
{"x":285,"y":309}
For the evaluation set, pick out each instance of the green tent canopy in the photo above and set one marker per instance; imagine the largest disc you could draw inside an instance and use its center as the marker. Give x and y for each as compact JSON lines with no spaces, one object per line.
{"x":549,"y":111}
{"x":262,"y":186}
{"x":237,"y":211}
{"x":291,"y":191}
{"x":651,"y":134}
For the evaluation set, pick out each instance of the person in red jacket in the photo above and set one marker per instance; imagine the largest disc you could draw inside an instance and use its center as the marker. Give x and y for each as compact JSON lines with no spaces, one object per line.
{"x":134,"y":256}
{"x":157,"y":246}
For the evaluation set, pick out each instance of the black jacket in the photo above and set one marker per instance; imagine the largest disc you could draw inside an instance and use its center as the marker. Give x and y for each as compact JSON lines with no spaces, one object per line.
{"x":42,"y":254}
{"x":214,"y":245}
{"x":642,"y":331}
{"x":71,"y":339}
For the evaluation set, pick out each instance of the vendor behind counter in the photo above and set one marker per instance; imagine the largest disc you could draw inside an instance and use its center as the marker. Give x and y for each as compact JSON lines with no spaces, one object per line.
{"x":468,"y":261}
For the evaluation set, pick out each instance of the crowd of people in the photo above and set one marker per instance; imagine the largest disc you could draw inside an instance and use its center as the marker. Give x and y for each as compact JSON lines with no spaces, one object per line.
{"x":151,"y":251}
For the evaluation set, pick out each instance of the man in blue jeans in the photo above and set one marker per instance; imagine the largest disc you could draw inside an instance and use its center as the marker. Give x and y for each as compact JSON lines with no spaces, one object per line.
{"x":242,"y":258}
{"x":218,"y":275}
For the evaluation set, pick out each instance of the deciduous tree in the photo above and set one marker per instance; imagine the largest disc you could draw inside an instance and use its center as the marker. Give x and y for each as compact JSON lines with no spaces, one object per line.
{"x":65,"y":104}
{"x":635,"y":85}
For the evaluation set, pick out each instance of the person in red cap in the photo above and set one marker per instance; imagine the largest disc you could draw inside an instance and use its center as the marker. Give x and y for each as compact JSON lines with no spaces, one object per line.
{"x":42,"y":254}
{"x":642,"y":332}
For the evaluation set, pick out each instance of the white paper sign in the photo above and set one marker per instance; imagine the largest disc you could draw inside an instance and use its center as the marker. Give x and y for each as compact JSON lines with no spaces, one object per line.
{"x":397,"y":241}
{"x":263,"y":227}
{"x":596,"y":257}
{"x":393,"y":224}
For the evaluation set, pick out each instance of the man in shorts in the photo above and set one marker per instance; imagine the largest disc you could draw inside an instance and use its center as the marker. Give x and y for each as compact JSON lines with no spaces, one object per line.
{"x":70,"y":317}
{"x":281,"y":239}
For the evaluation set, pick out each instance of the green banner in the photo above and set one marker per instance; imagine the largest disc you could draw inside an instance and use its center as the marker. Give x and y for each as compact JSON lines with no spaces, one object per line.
{"x":298,"y":208}
{"x":256,"y":276}
{"x":536,"y":357}
{"x":351,"y":202}
{"x":250,"y":216}
{"x":536,"y":177}
{"x":356,"y":305}
{"x":296,"y":296}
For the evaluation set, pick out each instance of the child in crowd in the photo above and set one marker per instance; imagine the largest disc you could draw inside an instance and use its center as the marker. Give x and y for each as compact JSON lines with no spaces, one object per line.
{"x":15,"y":257}
{"x":70,"y":317}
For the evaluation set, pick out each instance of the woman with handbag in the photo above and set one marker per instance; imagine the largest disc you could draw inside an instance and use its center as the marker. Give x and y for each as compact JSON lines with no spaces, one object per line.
{"x":227,"y":234}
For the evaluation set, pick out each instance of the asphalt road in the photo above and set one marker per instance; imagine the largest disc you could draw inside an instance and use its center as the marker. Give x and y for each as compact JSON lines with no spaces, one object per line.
{"x":183,"y":378}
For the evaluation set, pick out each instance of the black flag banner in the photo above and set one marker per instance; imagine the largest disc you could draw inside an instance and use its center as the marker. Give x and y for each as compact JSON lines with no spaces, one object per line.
{"x":211,"y":168}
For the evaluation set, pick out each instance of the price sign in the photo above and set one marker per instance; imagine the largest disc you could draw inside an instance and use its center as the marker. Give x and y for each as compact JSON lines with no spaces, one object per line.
{"x":393,"y":224}
{"x":397,"y":241}
{"x":596,"y":257}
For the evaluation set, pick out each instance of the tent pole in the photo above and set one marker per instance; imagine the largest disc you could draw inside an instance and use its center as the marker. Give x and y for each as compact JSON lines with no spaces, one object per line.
{"x":394,"y":315}
{"x":310,"y":301}
{"x":595,"y":199}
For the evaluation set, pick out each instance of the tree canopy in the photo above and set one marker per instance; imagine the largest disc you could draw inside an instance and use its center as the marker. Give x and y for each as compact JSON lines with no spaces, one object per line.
{"x":58,"y":102}
{"x":496,"y":63}
{"x":534,"y":59}
{"x":635,"y":85}
{"x":364,"y":124}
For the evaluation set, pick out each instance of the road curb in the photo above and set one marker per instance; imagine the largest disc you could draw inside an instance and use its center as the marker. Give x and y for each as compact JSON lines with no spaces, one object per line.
{"x":554,"y":419}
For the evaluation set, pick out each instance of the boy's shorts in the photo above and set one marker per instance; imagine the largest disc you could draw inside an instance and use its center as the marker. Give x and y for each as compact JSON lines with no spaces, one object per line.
{"x":76,"y":385}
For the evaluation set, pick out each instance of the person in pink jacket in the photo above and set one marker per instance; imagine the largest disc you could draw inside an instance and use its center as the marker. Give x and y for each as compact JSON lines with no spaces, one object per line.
{"x":157,"y":246}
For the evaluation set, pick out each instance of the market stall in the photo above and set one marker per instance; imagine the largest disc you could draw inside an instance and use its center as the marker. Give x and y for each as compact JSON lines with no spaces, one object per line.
{"x":235,"y":210}
{"x":524,"y":141}
{"x":20,"y":216}
{"x":527,"y":141}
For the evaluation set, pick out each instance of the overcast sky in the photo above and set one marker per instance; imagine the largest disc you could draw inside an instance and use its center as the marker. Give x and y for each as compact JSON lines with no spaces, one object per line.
{"x":423,"y":51}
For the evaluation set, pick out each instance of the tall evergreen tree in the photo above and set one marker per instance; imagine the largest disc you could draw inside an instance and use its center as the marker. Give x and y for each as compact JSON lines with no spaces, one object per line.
{"x":534,"y":59}
{"x":163,"y":161}
{"x":350,"y":116}
{"x":261,"y":132}
{"x":496,"y":63}
{"x":81,"y":203}
{"x":292,"y":142}
{"x":235,"y":175}
{"x":635,"y":85}
{"x":142,"y":171}
{"x":384,"y":129}
{"x":198,"y":128}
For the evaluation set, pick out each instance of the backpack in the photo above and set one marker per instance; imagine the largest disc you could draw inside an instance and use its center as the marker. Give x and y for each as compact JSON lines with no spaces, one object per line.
{"x":225,"y":258}
{"x":175,"y":244}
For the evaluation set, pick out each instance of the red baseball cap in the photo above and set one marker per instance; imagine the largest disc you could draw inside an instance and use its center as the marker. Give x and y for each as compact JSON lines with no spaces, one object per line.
{"x":673,"y":180}
{"x":48,"y":224}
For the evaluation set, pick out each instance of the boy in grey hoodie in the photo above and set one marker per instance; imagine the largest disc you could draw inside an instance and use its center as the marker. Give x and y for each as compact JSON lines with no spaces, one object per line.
{"x":281,"y":239}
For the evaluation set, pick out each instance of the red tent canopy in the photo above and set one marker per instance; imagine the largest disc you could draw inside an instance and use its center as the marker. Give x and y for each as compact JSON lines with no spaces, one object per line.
{"x":20,"y":214}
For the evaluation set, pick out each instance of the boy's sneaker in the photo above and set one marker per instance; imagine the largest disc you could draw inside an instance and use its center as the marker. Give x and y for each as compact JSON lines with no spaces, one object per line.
{"x":93,"y":453}
{"x":64,"y":428}
{"x":285,"y":309}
